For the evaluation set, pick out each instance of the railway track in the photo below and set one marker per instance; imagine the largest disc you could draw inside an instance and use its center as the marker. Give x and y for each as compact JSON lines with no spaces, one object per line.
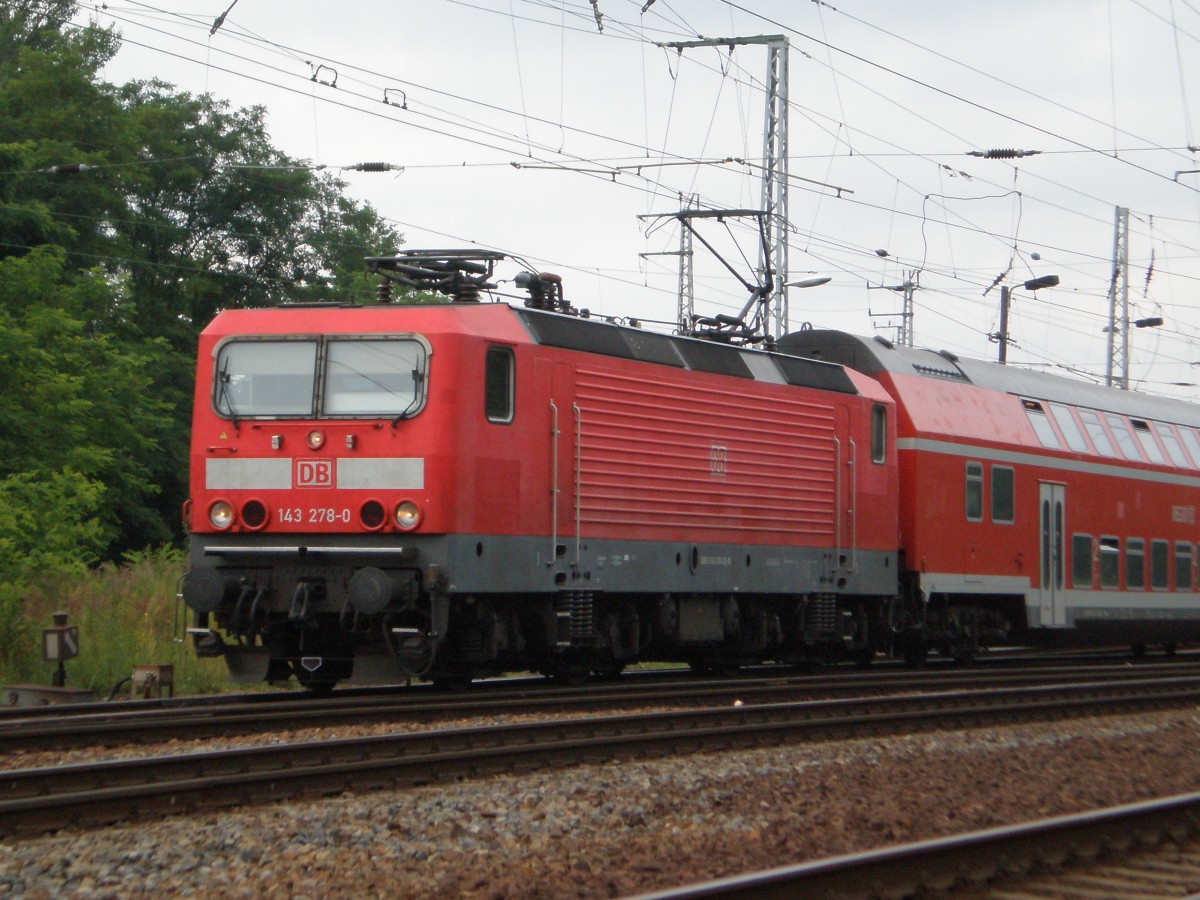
{"x":1124,"y":851}
{"x":935,"y":668}
{"x":90,"y":794}
{"x":137,"y":722}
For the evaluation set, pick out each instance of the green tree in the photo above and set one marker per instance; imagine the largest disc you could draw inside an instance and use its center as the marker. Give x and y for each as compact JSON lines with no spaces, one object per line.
{"x":73,"y":399}
{"x":128,"y":216}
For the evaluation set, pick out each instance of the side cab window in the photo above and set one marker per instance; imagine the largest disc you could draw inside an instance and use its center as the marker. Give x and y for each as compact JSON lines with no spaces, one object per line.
{"x":878,"y":434}
{"x":499,"y":381}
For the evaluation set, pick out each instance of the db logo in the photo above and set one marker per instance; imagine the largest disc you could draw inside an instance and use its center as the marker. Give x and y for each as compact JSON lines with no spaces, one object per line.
{"x":314,"y":473}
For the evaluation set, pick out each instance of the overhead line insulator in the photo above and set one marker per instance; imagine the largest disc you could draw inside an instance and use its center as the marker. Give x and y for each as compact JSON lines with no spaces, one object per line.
{"x":374,"y":167}
{"x":68,"y":169}
{"x":1003,"y":153}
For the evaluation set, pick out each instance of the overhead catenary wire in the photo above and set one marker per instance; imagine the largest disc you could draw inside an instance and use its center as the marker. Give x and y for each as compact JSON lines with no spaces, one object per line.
{"x":966,"y":101}
{"x":664,"y":194}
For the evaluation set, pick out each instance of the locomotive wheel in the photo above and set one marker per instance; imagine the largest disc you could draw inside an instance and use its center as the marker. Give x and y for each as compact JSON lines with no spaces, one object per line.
{"x":1169,"y":648}
{"x":914,"y":654}
{"x":722,"y":668}
{"x":453,"y":683}
{"x":609,"y":670}
{"x":313,"y":683}
{"x":570,"y":677}
{"x":863,"y":657}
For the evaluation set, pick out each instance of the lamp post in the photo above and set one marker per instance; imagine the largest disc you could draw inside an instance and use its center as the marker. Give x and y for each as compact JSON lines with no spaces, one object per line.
{"x":1001,"y":336}
{"x":1120,"y":377}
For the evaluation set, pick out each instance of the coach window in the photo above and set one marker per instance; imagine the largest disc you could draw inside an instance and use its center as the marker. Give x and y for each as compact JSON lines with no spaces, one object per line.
{"x":1041,"y":424}
{"x":1003,"y":479}
{"x":1081,"y":560}
{"x":1135,"y":564}
{"x":1192,"y":443}
{"x":1070,"y":431}
{"x":1183,"y":566}
{"x":1110,"y":562}
{"x":1167,"y":435}
{"x":1141,"y":428}
{"x":878,"y":434}
{"x":1160,"y":552}
{"x":1095,"y":429}
{"x":1124,"y":439}
{"x":498,"y":385}
{"x":974,"y":492}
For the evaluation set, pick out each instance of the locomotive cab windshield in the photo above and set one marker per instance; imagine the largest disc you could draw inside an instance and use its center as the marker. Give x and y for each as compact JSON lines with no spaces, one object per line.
{"x":321,"y":377}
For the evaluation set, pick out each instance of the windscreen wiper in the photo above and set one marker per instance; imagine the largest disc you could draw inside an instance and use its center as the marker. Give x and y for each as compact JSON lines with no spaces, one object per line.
{"x":224,"y":395}
{"x":418,"y":382}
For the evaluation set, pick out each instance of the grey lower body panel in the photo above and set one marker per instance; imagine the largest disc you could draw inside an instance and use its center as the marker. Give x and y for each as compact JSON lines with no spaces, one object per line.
{"x":500,"y":564}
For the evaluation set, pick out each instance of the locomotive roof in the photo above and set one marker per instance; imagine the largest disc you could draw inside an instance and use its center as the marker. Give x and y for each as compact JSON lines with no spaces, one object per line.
{"x":608,"y":339}
{"x":553,"y":329}
{"x":873,"y":355}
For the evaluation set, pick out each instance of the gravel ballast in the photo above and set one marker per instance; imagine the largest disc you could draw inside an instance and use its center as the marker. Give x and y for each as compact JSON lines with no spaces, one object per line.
{"x":624,"y":827}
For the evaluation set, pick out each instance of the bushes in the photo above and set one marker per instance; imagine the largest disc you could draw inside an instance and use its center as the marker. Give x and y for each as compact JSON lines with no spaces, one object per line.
{"x":126,"y":616}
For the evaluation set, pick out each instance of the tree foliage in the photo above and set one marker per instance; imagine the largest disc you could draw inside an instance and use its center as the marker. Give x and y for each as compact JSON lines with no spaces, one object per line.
{"x":129,"y":215}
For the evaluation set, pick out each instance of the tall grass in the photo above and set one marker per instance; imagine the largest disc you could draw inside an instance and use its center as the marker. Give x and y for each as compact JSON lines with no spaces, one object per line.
{"x":126,"y":616}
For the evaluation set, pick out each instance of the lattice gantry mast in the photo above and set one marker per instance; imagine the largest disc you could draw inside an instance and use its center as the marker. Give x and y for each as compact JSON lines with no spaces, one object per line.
{"x":773,"y":262}
{"x":1117,"y":372}
{"x":687,"y":284}
{"x":773,"y":254}
{"x":685,"y":312}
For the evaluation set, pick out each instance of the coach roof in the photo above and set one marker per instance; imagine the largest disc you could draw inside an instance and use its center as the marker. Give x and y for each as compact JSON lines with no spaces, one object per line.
{"x":874,"y":355}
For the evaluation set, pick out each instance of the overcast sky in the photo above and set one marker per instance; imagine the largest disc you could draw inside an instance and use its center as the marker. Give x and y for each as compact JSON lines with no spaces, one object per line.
{"x":532,"y":130}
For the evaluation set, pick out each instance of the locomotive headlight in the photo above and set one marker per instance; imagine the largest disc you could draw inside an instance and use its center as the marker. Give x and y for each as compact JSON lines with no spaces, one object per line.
{"x":315,"y":440}
{"x":408,"y":515}
{"x":220,"y":514}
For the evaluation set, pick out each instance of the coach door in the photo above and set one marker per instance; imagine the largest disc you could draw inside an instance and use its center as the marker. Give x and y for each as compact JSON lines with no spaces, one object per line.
{"x":1052,"y":528}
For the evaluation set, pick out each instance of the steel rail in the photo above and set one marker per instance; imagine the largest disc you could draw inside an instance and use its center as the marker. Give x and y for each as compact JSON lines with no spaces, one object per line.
{"x":105,"y":792}
{"x":935,"y":667}
{"x":968,"y":859}
{"x":133,"y":724}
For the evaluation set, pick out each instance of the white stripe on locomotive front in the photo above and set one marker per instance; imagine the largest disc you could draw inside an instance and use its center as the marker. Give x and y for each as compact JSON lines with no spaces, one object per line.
{"x":380,"y":473}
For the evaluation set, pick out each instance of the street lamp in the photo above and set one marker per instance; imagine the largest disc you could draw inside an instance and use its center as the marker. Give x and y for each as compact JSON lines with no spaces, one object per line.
{"x":815,"y":281}
{"x":1001,"y":336}
{"x":1121,"y":379}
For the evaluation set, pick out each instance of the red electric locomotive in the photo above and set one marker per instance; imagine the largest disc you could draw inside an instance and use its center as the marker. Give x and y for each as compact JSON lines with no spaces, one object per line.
{"x":1034,"y":508}
{"x":447,"y":490}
